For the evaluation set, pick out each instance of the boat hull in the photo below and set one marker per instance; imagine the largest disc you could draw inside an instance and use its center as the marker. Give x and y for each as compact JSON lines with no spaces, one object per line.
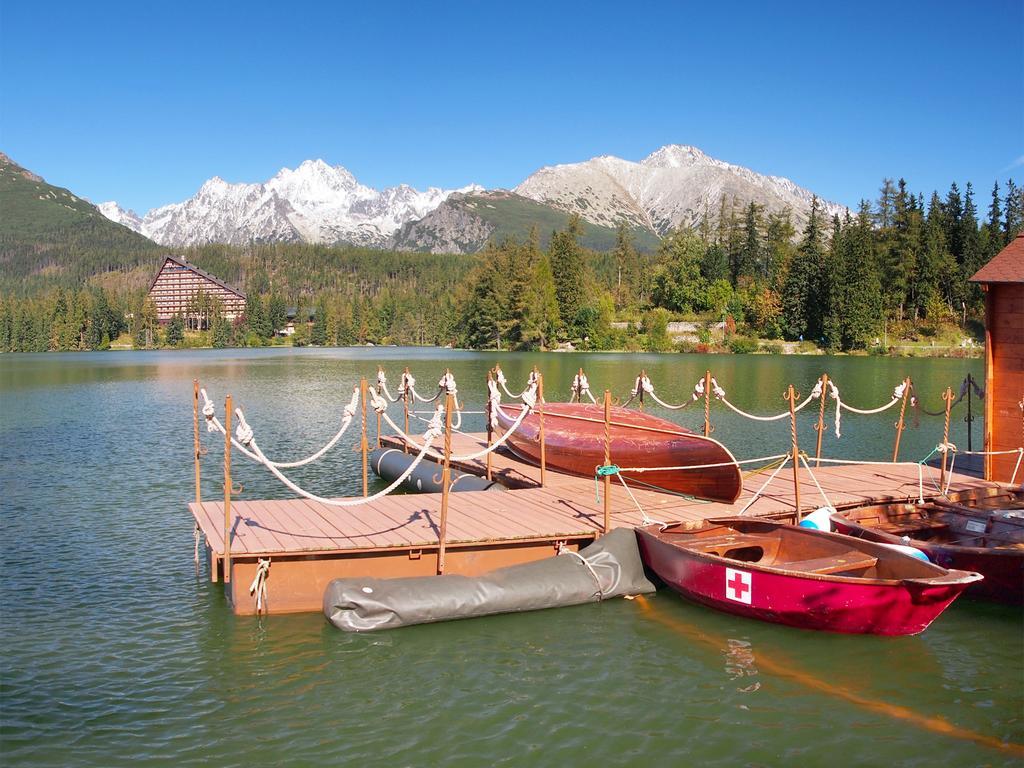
{"x":574,"y":443}
{"x":808,"y":601}
{"x":1003,"y":569}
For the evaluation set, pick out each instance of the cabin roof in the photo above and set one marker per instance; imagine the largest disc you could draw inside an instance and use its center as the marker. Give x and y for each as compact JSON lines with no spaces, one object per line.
{"x":1007,"y":266}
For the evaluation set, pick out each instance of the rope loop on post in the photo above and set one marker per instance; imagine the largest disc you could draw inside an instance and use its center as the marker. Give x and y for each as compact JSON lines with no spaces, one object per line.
{"x":259,"y":584}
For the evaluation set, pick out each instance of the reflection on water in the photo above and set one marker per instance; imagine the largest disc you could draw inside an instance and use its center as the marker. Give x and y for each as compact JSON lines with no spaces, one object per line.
{"x":115,"y":651}
{"x":739,"y":663}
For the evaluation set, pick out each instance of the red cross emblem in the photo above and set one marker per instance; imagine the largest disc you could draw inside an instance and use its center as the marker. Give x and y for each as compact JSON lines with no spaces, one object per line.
{"x":737,"y":586}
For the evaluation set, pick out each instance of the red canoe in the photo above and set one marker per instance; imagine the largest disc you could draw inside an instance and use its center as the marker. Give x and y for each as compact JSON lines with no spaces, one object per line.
{"x":574,"y":444}
{"x":979,"y":531}
{"x":801,"y":577}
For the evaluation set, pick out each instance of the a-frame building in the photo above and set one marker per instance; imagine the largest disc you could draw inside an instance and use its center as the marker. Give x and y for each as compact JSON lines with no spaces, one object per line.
{"x":178,"y":282}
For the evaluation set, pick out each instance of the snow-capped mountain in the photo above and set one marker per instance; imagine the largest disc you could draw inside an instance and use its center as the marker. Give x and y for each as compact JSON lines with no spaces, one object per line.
{"x":314,"y":203}
{"x":124,"y":216}
{"x":674,"y":185}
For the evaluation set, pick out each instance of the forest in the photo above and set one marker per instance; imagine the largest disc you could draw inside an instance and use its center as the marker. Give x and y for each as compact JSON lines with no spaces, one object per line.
{"x":899,"y":261}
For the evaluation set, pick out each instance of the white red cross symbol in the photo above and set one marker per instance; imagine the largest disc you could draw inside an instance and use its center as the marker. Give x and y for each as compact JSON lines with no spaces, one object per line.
{"x":737,"y":586}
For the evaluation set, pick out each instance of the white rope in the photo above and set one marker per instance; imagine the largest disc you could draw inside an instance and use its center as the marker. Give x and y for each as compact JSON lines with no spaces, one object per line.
{"x":1018,"y":451}
{"x":503,"y":382}
{"x":523,"y":413}
{"x":920,"y":471}
{"x":406,"y":385}
{"x":828,"y":502}
{"x":720,"y":394}
{"x":564,"y":550}
{"x":581,"y":386}
{"x":493,"y":403}
{"x":643,"y":513}
{"x":767,"y":482}
{"x":213,"y":424}
{"x":897,"y":395}
{"x":259,"y":583}
{"x":431,"y":434}
{"x":643,"y":384}
{"x":637,"y":470}
{"x":382,"y":386}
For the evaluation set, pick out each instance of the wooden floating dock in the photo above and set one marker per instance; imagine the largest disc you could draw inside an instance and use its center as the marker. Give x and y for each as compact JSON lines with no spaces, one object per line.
{"x":310,"y":543}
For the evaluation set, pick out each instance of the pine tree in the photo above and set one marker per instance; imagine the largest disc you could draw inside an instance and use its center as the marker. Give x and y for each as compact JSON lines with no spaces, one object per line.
{"x":175,"y":331}
{"x":1013,"y":216}
{"x":862,"y":306}
{"x":800,"y":308}
{"x":570,"y":273}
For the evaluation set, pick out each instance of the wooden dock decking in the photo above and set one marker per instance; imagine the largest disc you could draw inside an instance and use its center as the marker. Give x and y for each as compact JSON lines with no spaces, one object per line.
{"x":311,"y":543}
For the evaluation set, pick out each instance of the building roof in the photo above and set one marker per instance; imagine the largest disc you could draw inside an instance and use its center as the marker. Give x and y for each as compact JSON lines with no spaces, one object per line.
{"x":1007,"y":266}
{"x":183,"y":262}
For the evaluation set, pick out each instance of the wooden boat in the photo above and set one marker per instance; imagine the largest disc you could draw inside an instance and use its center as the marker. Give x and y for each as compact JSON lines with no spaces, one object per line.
{"x":801,"y":577}
{"x":979,"y":531}
{"x":574,"y":442}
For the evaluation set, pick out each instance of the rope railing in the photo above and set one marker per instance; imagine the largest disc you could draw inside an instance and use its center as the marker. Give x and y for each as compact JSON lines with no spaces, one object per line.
{"x":380,"y":398}
{"x":213,"y":424}
{"x":245,"y":435}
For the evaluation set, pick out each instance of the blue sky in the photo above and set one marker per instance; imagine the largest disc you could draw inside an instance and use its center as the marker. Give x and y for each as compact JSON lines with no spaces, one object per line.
{"x":141,"y":102}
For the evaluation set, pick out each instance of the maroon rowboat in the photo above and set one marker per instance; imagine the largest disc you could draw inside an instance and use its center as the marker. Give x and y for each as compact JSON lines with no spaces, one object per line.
{"x":800,"y":576}
{"x":979,"y":531}
{"x":574,"y":443}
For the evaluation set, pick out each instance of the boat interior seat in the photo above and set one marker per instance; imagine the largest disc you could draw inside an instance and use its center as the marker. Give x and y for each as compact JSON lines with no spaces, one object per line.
{"x":853,"y":560}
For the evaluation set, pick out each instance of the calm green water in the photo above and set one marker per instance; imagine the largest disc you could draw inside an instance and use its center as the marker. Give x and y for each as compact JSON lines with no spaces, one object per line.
{"x":115,"y":651}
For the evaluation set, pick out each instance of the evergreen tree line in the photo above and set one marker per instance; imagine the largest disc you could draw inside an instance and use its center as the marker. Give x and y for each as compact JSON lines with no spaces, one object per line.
{"x":899,"y":258}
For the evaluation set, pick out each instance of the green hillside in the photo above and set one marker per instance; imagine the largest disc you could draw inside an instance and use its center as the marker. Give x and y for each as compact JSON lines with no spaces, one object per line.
{"x":514,"y":216}
{"x":50,"y":237}
{"x":467,"y":222}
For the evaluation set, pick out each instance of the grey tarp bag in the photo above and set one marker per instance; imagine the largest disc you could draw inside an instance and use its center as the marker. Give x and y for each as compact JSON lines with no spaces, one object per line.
{"x":612,"y":568}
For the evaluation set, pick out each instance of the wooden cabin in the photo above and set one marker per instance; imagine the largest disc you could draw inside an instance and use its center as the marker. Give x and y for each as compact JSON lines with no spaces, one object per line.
{"x":178,"y":282}
{"x":1002,"y":279}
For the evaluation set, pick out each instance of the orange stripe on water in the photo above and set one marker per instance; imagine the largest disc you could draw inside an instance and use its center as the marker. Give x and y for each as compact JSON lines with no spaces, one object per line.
{"x":927,"y":722}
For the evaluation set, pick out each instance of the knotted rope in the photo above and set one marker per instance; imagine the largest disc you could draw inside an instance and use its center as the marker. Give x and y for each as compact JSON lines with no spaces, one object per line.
{"x":213,"y":424}
{"x":245,"y":435}
{"x":531,"y":380}
{"x":529,"y":398}
{"x":581,"y":386}
{"x":259,"y":583}
{"x":382,"y":387}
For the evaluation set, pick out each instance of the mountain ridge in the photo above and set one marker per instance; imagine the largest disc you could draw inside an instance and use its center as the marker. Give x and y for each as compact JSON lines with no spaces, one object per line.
{"x":675,"y":185}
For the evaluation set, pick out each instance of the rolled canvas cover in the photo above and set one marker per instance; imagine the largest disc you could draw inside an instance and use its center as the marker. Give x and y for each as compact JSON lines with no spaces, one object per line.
{"x":615,"y":569}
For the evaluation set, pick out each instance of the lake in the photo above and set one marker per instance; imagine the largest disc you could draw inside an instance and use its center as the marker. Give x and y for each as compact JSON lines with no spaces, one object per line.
{"x":116,"y":651}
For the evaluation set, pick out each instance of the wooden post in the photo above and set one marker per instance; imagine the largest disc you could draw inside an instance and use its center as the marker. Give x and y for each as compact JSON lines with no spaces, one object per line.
{"x":578,"y":390}
{"x":607,"y":459}
{"x":640,"y":387}
{"x":227,"y":489}
{"x":948,"y":397}
{"x":969,"y":418}
{"x":821,"y":418}
{"x":899,"y":424}
{"x":405,"y":403}
{"x":445,"y":482}
{"x":195,"y":434}
{"x":540,"y":414}
{"x":363,"y":445}
{"x":791,"y":395}
{"x":488,"y":415}
{"x":707,"y":403}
